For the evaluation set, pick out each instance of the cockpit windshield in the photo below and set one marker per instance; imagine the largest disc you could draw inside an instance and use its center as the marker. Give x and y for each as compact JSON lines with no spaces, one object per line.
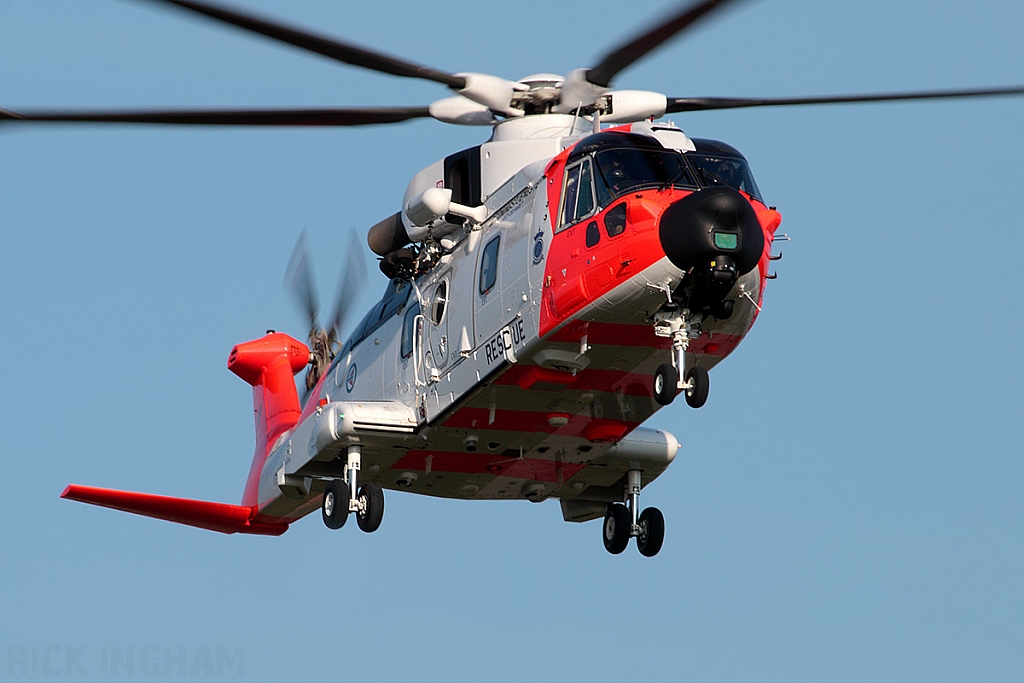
{"x":604,"y":166}
{"x":721,"y":170}
{"x":625,"y":169}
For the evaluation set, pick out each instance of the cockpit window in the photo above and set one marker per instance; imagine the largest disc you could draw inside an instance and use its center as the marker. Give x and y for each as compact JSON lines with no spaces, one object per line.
{"x":579,"y":193}
{"x":623,"y":170}
{"x":585,"y":196}
{"x":731,"y":171}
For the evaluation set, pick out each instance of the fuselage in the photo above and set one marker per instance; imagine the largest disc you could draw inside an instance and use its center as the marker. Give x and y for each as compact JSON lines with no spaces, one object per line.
{"x":525,"y":349}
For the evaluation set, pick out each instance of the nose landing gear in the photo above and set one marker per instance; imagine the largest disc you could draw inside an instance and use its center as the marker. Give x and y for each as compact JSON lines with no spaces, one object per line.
{"x":342,"y":497}
{"x":623,"y":522}
{"x":681,"y":327}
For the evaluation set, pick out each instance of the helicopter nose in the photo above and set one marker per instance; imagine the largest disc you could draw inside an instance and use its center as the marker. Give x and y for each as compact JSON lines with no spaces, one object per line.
{"x":709,"y":224}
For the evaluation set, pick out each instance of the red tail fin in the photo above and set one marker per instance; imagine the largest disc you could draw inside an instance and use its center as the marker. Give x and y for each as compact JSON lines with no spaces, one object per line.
{"x":221,"y":517}
{"x":269,"y":364}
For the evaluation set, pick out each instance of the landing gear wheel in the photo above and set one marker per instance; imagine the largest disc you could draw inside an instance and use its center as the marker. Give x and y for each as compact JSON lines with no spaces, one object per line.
{"x":616,"y":528}
{"x":652,"y":532}
{"x":697,"y":393}
{"x":335,"y":504}
{"x":372,"y":498}
{"x":665,"y":380}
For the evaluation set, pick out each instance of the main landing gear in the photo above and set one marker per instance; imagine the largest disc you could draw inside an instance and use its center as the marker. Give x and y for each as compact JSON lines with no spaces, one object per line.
{"x":342,"y":497}
{"x":622,"y":522}
{"x":681,"y":327}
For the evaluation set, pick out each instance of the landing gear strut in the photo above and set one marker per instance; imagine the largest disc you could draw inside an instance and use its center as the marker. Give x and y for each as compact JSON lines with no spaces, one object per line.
{"x":342,"y":497}
{"x":623,"y":522}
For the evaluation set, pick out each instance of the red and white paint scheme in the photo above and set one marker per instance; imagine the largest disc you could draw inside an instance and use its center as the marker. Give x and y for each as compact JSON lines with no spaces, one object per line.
{"x":549,"y":290}
{"x":517,"y":352}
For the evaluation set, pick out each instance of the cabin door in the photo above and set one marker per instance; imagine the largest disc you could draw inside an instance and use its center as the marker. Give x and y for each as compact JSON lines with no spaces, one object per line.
{"x":410,"y":370}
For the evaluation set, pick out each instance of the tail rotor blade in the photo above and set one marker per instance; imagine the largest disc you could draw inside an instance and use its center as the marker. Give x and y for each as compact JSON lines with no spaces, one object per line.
{"x":299,"y":280}
{"x":353,"y":277}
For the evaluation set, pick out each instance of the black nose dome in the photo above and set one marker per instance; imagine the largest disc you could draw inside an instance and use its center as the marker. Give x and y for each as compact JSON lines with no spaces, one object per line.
{"x":713,"y":222}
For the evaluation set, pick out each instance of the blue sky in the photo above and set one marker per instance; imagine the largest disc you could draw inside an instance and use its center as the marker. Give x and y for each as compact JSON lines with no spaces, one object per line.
{"x":847,"y":506}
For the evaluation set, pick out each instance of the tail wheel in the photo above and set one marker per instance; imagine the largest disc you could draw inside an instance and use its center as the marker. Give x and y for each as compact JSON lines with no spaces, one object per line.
{"x":371,"y":513}
{"x":335,"y":504}
{"x":665,"y":380}
{"x":697,"y":386}
{"x":616,"y":528}
{"x":652,"y":532}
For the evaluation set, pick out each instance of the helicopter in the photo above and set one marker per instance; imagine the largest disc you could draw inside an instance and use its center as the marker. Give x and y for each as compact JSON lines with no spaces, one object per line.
{"x":607,"y":270}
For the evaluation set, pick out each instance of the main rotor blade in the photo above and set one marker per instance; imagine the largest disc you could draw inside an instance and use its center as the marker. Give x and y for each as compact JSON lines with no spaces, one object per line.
{"x":680,"y":104}
{"x":351,"y":116}
{"x":626,"y":54}
{"x":329,"y":47}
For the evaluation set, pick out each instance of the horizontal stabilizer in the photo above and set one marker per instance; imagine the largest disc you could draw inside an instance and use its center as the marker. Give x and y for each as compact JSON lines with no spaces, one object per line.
{"x":221,"y":517}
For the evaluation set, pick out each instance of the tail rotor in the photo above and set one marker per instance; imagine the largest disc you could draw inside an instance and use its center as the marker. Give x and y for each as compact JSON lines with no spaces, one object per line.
{"x":323,"y":342}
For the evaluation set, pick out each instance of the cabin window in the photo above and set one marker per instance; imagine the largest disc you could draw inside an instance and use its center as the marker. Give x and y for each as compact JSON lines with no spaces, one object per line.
{"x":439,"y":304}
{"x":392,"y":303}
{"x":615,"y":220}
{"x":370,"y":322}
{"x":394,"y":299}
{"x":409,"y":329}
{"x":593,"y":234}
{"x":489,"y":265}
{"x":579,"y":199}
